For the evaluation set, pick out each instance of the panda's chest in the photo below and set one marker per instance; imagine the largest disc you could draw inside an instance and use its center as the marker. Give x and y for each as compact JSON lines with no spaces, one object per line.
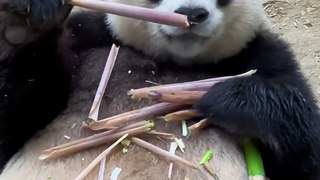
{"x":133,"y":71}
{"x":141,"y":72}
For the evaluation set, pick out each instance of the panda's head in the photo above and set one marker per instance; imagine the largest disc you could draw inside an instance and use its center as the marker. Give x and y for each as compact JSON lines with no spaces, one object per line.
{"x":223,"y":28}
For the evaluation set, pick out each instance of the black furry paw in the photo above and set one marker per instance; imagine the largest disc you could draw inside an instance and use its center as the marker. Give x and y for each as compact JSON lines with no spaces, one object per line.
{"x":39,"y":11}
{"x":232,"y":106}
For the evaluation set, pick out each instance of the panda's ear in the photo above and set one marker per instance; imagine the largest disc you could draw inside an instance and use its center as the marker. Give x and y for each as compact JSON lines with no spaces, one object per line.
{"x":89,"y":30}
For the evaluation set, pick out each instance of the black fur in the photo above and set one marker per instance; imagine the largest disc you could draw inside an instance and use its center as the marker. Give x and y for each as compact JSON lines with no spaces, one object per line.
{"x":275,"y":106}
{"x":34,"y":84}
{"x":88,"y":31}
{"x":34,"y":88}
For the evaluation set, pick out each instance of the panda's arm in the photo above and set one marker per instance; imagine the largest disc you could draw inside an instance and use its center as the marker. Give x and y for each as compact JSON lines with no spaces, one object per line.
{"x":275,"y":105}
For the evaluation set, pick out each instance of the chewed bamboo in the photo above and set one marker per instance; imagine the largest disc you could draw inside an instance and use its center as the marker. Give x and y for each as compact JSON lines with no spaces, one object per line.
{"x":200,"y":85}
{"x":87,"y":170}
{"x":182,"y":115}
{"x":146,"y":14}
{"x":139,"y":114}
{"x":182,"y":97}
{"x":199,"y":125}
{"x":163,"y":153}
{"x":94,"y":111}
{"x":72,"y":147}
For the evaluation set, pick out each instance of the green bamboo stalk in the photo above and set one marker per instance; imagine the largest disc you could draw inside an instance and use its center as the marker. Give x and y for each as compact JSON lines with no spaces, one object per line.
{"x":254,"y":161}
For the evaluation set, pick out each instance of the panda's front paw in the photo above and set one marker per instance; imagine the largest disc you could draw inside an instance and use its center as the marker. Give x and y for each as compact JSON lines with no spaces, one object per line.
{"x":39,"y":11}
{"x":230,"y":105}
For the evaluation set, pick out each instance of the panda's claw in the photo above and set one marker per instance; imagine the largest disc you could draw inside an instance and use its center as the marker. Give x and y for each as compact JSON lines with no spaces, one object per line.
{"x":40,"y":12}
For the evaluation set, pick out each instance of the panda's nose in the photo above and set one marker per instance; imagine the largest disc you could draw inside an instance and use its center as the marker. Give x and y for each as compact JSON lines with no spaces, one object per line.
{"x":195,"y":15}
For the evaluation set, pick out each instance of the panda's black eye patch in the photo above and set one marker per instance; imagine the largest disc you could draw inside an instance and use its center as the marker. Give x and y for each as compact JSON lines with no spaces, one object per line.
{"x":223,"y":3}
{"x":155,"y":1}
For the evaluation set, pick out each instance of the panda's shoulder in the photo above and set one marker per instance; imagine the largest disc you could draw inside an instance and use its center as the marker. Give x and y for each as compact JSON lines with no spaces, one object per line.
{"x":89,"y":29}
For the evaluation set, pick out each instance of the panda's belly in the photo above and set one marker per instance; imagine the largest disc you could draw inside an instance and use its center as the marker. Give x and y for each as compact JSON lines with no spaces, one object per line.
{"x":131,"y":71}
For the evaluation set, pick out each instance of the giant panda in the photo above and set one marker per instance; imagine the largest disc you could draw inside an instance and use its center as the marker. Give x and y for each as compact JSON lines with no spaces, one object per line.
{"x":275,"y":106}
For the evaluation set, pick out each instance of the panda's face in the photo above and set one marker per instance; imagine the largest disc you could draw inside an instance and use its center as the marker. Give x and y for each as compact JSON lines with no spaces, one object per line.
{"x":212,"y":21}
{"x":207,"y":16}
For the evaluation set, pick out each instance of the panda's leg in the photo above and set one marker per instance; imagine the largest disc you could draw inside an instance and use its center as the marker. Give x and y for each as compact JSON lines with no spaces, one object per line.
{"x":275,"y":106}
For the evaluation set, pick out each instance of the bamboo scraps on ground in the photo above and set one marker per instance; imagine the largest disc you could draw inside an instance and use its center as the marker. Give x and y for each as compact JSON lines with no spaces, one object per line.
{"x":146,"y":14}
{"x":172,"y":150}
{"x":94,"y":140}
{"x":161,"y":134}
{"x":87,"y":170}
{"x":163,"y":153}
{"x":94,"y":111}
{"x":102,"y":168}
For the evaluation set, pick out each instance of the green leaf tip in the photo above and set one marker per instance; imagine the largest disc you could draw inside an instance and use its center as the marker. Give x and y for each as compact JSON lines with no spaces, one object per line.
{"x":184,"y":128}
{"x":125,"y":150}
{"x":206,"y":158}
{"x":151,"y":124}
{"x":126,"y":142}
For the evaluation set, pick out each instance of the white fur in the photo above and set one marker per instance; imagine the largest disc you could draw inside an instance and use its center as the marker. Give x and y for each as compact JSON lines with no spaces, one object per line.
{"x":223,"y":34}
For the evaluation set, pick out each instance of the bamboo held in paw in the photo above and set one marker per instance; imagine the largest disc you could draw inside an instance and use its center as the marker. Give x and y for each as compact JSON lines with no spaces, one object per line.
{"x":186,"y":86}
{"x":198,"y":126}
{"x":139,"y":114}
{"x":200,"y":85}
{"x":182,"y":115}
{"x":181,"y":97}
{"x":146,"y":14}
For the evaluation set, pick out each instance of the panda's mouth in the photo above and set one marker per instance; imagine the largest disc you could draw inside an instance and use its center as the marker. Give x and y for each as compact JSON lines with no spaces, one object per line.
{"x":187,"y":37}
